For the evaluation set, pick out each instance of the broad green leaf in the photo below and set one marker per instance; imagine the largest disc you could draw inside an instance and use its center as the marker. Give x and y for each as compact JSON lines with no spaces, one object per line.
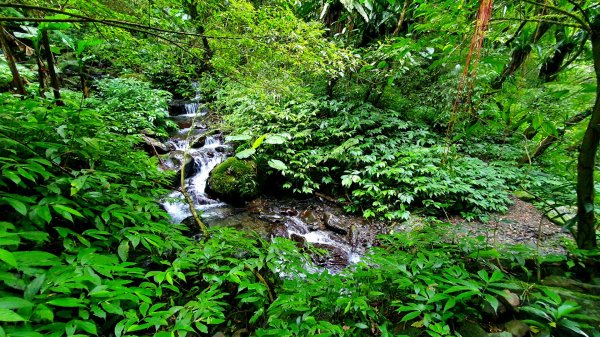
{"x":8,"y":257}
{"x":277,"y":164}
{"x":17,"y":205}
{"x":14,"y":303}
{"x":232,"y":138}
{"x":258,"y":141}
{"x":123,"y":250}
{"x":68,"y":302}
{"x":7,"y":315}
{"x":245,"y":154}
{"x":275,"y":139}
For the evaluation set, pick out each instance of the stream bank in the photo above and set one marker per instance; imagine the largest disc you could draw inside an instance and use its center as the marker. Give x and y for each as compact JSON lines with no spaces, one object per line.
{"x":343,"y":238}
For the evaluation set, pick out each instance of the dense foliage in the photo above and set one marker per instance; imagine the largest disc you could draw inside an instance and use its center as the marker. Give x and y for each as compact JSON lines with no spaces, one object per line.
{"x":365,"y":102}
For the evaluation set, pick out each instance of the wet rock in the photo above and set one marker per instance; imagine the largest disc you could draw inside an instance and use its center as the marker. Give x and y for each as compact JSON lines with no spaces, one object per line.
{"x":191,"y":227}
{"x":334,"y":257}
{"x":570,"y":284}
{"x":491,"y":314}
{"x":189,"y":167}
{"x":200,"y":126}
{"x":198,"y":142}
{"x":511,"y":299}
{"x":311,"y":219}
{"x":288,"y":211}
{"x":353,"y":236}
{"x":280,"y":231}
{"x":234,"y":181}
{"x":589,"y":305}
{"x":153,"y":146}
{"x":299,"y":239}
{"x":183,"y":122}
{"x":516,"y":328}
{"x":256,"y":206}
{"x":336,"y":224}
{"x":178,"y":106}
{"x":296,"y":225}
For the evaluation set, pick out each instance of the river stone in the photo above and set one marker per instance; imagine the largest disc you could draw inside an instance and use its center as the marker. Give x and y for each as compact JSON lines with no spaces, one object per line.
{"x":294,"y":224}
{"x":300,"y":240}
{"x":353,"y":235}
{"x":177,"y":106}
{"x":311,"y":219}
{"x":279,"y":231}
{"x":516,"y":328}
{"x":233,"y":181}
{"x":335,"y":224}
{"x":571,"y":284}
{"x":511,"y":299}
{"x":151,"y":144}
{"x":334,"y":257}
{"x":189,"y":167}
{"x":562,"y":214}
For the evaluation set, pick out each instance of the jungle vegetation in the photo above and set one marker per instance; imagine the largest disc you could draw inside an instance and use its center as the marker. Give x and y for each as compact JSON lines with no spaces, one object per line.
{"x":395,"y":108}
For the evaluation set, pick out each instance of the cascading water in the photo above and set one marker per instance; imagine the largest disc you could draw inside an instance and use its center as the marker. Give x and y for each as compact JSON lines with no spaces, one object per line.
{"x":292,"y":218}
{"x":204,"y":159}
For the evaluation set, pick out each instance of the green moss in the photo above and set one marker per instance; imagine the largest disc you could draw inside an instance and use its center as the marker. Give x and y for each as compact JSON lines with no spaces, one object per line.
{"x":234,"y":180}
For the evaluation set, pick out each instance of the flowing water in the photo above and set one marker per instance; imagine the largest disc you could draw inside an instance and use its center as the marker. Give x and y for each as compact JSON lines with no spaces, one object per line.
{"x":313,"y":221}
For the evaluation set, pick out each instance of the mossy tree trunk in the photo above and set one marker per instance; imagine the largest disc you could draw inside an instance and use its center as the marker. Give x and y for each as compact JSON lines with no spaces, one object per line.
{"x":586,"y":220}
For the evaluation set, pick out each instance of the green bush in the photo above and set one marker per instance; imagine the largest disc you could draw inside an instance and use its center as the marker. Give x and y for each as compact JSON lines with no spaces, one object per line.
{"x":128,"y":105}
{"x":382,"y":163}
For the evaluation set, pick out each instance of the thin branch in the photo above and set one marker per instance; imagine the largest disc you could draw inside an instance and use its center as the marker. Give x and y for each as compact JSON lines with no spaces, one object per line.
{"x":540,"y":21}
{"x":585,"y":25}
{"x":84,"y":18}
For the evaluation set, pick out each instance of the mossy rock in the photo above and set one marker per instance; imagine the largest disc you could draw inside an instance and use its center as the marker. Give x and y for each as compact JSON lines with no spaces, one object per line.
{"x":234,"y":181}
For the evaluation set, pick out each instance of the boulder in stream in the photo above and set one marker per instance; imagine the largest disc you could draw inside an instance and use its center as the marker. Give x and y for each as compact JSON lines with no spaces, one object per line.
{"x":154,"y":146}
{"x":188,"y":165}
{"x":233,"y":181}
{"x":336,"y":224}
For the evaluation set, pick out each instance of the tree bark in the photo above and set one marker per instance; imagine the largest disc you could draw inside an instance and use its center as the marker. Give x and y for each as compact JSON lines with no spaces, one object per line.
{"x":51,"y":69}
{"x":519,"y":56}
{"x":551,"y":139}
{"x":16,"y":77}
{"x":586,"y":220}
{"x":553,"y":64}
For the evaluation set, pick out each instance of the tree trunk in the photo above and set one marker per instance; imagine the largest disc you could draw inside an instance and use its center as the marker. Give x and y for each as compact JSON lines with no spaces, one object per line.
{"x":551,"y":139}
{"x":17,"y":80}
{"x":586,"y":220}
{"x":519,"y":56}
{"x":51,"y":69}
{"x":553,"y":64}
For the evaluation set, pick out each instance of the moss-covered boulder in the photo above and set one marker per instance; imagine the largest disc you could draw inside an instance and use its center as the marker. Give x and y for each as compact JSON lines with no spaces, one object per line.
{"x":233,"y":181}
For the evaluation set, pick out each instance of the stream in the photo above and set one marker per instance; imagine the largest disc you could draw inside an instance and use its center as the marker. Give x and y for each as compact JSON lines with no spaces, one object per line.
{"x":311,"y":220}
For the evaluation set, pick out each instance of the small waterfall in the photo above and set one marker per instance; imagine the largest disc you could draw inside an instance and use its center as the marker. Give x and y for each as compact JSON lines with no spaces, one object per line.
{"x":191,"y":108}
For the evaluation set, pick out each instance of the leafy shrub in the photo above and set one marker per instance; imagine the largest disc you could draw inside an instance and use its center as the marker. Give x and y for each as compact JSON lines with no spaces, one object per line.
{"x":383,"y":163}
{"x":129,"y":106}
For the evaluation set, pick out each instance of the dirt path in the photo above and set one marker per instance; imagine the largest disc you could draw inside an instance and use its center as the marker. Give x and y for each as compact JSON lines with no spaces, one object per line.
{"x":520,"y":225}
